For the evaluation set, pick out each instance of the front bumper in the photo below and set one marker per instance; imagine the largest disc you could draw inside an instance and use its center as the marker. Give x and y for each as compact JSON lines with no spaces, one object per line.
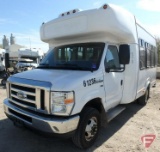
{"x":45,"y":124}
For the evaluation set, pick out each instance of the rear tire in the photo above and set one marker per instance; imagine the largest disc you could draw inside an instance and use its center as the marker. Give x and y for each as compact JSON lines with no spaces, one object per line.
{"x":144,"y":99}
{"x":88,"y":128}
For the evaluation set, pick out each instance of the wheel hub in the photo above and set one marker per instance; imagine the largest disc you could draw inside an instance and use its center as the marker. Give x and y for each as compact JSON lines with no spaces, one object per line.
{"x":91,"y":129}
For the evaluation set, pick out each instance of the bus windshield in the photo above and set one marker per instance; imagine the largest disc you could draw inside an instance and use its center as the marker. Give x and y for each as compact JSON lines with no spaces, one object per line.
{"x":83,"y":56}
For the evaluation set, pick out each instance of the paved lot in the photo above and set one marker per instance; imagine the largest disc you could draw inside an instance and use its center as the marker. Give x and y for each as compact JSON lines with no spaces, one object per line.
{"x":123,"y":134}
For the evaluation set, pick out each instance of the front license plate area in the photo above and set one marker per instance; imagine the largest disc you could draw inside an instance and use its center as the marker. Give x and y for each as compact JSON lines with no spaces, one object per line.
{"x":17,"y":122}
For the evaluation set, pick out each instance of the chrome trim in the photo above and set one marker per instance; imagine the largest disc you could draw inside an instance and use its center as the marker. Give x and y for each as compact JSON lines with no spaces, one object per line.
{"x":38,"y":92}
{"x":28,"y":93}
{"x":47,"y":101}
{"x":22,"y":105}
{"x":50,"y":125}
{"x":33,"y":84}
{"x":26,"y":100}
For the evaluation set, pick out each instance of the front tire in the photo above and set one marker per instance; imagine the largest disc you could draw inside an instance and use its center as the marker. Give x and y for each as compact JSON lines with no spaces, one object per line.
{"x":88,"y":128}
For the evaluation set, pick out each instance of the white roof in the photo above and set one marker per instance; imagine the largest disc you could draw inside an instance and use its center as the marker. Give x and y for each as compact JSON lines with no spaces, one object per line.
{"x":105,"y":24}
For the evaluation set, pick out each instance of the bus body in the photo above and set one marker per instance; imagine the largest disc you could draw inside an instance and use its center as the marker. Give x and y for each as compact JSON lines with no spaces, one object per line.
{"x":99,"y":60}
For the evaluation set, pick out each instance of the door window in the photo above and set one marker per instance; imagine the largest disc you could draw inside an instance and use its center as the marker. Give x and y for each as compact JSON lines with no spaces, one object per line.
{"x":112,"y":58}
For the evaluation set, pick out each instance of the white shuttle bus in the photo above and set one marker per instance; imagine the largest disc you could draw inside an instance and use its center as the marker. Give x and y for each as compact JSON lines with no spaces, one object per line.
{"x":99,"y":60}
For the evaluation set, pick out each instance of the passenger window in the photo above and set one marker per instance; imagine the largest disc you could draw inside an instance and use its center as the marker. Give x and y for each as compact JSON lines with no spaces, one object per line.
{"x":112,"y":58}
{"x":148,"y":51}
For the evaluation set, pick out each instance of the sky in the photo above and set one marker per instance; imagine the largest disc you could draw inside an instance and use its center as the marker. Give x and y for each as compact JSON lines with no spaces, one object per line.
{"x":23,"y":18}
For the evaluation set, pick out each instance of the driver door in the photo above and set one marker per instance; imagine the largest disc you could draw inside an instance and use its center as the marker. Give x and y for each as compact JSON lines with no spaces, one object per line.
{"x":113,"y":77}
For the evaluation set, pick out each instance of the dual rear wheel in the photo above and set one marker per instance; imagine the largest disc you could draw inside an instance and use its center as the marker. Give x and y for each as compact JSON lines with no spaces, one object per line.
{"x":144,"y":99}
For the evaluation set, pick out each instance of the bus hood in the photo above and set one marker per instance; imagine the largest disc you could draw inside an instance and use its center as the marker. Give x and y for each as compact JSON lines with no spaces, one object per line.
{"x":61,"y":80}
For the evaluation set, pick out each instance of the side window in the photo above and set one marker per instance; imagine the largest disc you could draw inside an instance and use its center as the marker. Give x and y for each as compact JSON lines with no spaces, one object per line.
{"x":142,"y":54}
{"x":152,"y":56}
{"x":147,"y":56}
{"x":155,"y":56}
{"x":148,"y":51}
{"x":112,"y":58}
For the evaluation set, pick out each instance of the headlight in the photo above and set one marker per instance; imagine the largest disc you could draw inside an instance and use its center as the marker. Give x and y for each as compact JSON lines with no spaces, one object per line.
{"x":62,"y":103}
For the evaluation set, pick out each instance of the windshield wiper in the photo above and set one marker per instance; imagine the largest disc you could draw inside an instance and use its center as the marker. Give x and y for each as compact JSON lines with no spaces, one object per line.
{"x":64,"y":66}
{"x":71,"y":65}
{"x":45,"y":66}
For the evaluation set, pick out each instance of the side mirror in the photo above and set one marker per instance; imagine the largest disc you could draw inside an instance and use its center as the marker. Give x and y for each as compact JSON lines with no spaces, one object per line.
{"x":124,"y":54}
{"x":7,"y":60}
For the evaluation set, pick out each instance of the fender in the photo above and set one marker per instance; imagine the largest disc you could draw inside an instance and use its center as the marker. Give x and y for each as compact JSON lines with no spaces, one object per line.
{"x":88,"y":96}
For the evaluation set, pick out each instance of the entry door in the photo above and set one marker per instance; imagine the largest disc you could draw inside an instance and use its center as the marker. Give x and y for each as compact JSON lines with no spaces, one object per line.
{"x":113,"y":77}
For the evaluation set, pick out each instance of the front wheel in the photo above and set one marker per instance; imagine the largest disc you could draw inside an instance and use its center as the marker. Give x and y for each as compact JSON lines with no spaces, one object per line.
{"x":88,"y":128}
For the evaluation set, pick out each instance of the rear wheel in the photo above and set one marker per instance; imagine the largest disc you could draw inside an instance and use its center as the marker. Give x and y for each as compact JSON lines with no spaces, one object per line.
{"x":88,"y":129}
{"x":144,"y":99}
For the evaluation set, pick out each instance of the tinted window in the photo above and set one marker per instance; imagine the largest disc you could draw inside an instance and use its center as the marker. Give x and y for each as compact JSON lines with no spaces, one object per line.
{"x":152,"y":57}
{"x":142,"y":54}
{"x":148,"y":52}
{"x":84,"y":56}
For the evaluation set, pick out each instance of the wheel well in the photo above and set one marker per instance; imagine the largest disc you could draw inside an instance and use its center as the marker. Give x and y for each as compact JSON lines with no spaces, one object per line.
{"x":97,"y":104}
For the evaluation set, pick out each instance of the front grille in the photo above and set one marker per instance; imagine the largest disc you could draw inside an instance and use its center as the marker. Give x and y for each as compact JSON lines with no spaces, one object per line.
{"x":28,"y":89}
{"x":24,"y":102}
{"x":30,"y":93}
{"x":28,"y":97}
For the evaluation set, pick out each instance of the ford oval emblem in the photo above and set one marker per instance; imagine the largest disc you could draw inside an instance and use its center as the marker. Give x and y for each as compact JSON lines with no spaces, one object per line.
{"x":21,"y":95}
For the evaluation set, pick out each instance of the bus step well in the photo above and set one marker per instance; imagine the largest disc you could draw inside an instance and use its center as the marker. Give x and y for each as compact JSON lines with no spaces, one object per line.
{"x":112,"y":113}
